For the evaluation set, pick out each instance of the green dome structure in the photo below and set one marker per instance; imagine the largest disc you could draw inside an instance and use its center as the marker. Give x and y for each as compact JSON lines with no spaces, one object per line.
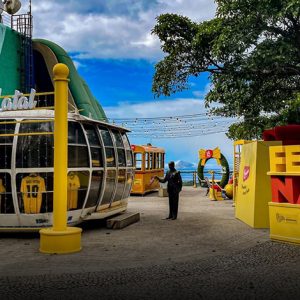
{"x":45,"y":55}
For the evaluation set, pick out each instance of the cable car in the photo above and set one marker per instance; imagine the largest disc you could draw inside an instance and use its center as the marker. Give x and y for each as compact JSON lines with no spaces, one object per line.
{"x":100,"y":160}
{"x":149,"y":161}
{"x":100,"y":169}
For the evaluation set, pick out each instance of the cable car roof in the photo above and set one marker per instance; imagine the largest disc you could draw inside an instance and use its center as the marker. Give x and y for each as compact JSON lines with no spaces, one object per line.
{"x":147,"y":148}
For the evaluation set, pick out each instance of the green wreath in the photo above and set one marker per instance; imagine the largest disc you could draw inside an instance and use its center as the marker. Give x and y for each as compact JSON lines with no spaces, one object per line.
{"x":225,"y":171}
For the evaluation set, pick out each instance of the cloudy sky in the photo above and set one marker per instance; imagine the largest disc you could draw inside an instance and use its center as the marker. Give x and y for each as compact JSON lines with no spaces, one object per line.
{"x":113,"y":49}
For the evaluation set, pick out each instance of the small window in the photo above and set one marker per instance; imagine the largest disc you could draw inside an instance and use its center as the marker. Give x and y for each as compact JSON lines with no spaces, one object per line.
{"x":160,"y":166}
{"x":6,"y":200}
{"x":157,"y":161}
{"x":35,"y":151}
{"x":128,"y":184}
{"x":97,"y":160}
{"x":121,"y":158}
{"x":78,"y":157}
{"x":120,"y":185}
{"x":110,"y":157}
{"x":35,"y":192}
{"x":129,"y":158}
{"x":92,"y":135}
{"x":125,"y":141}
{"x":138,"y":160}
{"x":5,"y":157}
{"x":118,"y":139}
{"x":151,"y":161}
{"x":7,"y":129}
{"x":77,"y":187}
{"x":147,"y":161}
{"x":75,"y":134}
{"x":110,"y":187}
{"x":95,"y":189}
{"x":106,"y":137}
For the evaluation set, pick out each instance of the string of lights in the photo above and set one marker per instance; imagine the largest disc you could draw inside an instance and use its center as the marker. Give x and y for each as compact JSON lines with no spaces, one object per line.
{"x":180,"y":126}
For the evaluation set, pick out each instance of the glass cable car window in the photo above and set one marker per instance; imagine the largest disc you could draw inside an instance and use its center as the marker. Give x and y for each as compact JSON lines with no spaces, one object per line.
{"x":109,"y":187}
{"x":95,"y":146}
{"x":95,"y":189}
{"x":78,"y":155}
{"x":121,"y":164}
{"x":118,"y":139}
{"x":7,"y":129}
{"x":120,"y":148}
{"x":6,"y":200}
{"x":6,"y":144}
{"x":92,"y":135}
{"x":128,"y":183}
{"x":129,"y":153}
{"x":120,"y":184}
{"x":121,"y":158}
{"x":107,"y":140}
{"x":125,"y":140}
{"x":77,"y":185}
{"x":109,"y":149}
{"x":35,"y":192}
{"x":35,"y":151}
{"x":75,"y":134}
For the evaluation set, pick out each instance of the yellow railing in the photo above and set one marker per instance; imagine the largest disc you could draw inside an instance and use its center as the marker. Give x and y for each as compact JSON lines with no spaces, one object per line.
{"x":27,"y":95}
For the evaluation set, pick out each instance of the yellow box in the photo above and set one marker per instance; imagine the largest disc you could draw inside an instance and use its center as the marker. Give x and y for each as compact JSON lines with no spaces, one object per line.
{"x":285,"y":222}
{"x":277,"y":159}
{"x":254,"y":185}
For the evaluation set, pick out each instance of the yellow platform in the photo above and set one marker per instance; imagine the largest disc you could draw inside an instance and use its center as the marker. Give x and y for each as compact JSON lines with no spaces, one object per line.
{"x":60,"y":242}
{"x":285,"y":222}
{"x":254,"y":185}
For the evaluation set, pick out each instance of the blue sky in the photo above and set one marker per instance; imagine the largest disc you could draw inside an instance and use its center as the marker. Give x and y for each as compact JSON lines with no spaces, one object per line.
{"x":111,"y":44}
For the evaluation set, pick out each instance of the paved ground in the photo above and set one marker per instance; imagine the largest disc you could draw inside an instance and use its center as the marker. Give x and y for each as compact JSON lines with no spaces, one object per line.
{"x":205,"y":254}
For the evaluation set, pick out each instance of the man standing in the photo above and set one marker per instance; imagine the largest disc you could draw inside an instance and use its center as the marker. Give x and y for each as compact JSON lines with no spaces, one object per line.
{"x":174,"y":180}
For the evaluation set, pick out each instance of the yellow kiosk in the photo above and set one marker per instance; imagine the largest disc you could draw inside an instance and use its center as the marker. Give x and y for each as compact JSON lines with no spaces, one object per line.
{"x":254,"y":185}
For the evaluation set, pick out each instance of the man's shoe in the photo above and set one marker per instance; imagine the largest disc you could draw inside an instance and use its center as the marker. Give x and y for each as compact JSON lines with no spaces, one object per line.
{"x":168,"y":218}
{"x":174,"y":218}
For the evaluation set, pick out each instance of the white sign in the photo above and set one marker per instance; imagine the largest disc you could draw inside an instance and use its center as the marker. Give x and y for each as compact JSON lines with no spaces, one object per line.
{"x":18,"y":101}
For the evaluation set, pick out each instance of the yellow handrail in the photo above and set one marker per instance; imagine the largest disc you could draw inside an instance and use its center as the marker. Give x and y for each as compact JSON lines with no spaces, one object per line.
{"x":26,"y":134}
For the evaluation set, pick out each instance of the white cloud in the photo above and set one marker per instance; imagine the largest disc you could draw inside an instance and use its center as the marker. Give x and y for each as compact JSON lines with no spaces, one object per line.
{"x":78,"y":64}
{"x":110,"y":29}
{"x":159,"y":108}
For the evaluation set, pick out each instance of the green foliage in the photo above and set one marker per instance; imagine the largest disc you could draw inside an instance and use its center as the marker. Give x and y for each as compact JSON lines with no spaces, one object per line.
{"x":251,"y":49}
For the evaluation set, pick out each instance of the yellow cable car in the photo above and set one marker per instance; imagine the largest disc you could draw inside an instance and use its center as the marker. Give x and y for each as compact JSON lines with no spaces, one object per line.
{"x":149,"y":162}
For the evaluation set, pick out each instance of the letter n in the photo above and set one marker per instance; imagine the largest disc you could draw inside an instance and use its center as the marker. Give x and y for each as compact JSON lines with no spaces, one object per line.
{"x":285,"y":189}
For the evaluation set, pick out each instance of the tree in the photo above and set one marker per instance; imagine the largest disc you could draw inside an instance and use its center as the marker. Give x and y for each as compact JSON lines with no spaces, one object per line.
{"x":251,"y":50}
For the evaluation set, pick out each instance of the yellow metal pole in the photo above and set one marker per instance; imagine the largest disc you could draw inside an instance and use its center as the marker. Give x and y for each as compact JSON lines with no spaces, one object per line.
{"x":61,"y":73}
{"x":60,"y":238}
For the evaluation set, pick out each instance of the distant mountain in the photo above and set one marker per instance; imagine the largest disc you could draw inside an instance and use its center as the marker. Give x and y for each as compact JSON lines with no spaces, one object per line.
{"x":180,"y":165}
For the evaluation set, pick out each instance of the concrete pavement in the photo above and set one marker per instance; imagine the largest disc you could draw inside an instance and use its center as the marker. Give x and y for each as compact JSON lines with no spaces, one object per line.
{"x":205,"y":254}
